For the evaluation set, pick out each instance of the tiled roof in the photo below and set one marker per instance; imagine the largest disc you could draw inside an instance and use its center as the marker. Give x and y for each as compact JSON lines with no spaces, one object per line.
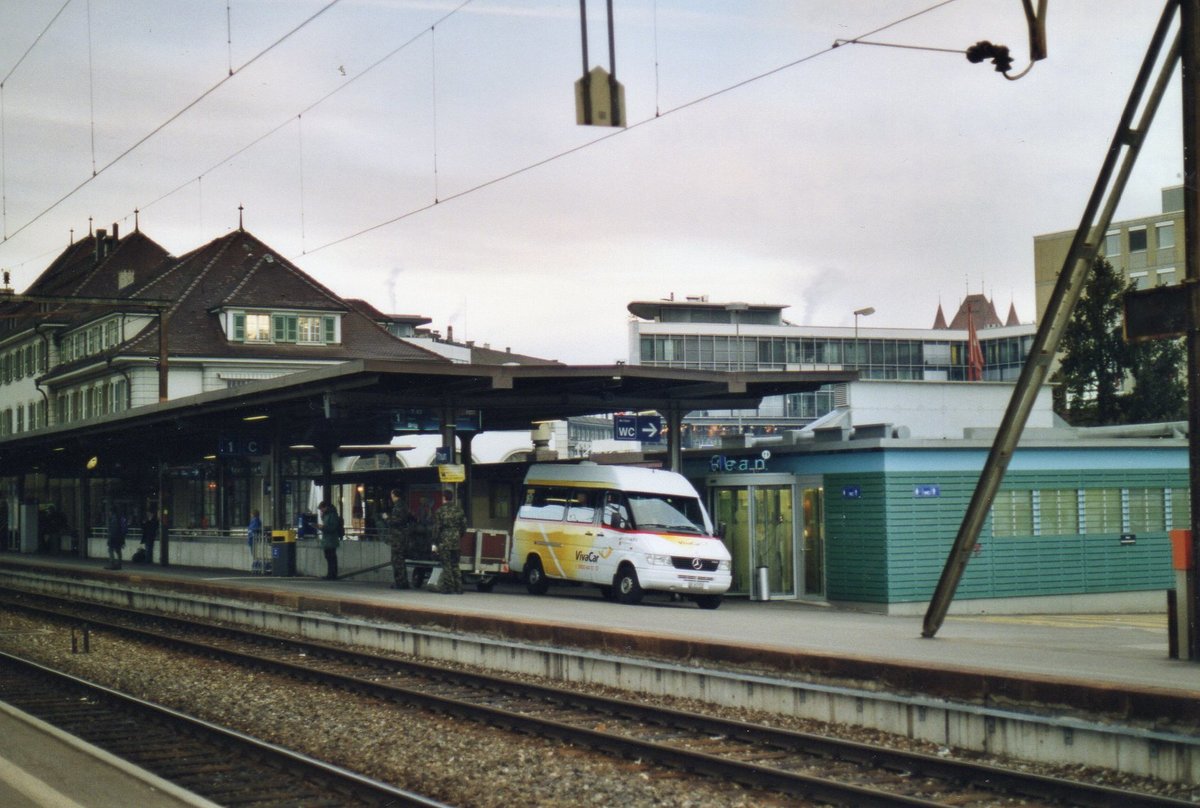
{"x":982,"y":312}
{"x":236,"y":270}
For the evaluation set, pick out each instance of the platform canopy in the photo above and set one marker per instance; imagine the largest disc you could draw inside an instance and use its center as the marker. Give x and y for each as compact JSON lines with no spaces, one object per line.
{"x":361,"y":402}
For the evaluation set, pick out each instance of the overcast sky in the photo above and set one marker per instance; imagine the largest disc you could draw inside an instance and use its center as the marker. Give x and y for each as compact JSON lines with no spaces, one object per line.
{"x":859,"y":176}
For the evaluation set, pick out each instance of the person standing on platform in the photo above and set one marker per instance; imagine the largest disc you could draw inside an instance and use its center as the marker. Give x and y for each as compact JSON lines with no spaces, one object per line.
{"x":331,"y":537}
{"x":401,"y":526}
{"x":150,"y":535}
{"x":116,"y":539}
{"x":254,"y":533}
{"x":449,"y":524}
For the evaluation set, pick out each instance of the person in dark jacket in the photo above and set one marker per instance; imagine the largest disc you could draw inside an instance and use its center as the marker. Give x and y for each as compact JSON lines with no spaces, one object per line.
{"x":150,"y":535}
{"x":331,"y":537}
{"x":116,"y":539}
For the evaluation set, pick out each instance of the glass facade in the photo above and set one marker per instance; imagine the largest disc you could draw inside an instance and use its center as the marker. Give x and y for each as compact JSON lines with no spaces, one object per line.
{"x":929,"y":359}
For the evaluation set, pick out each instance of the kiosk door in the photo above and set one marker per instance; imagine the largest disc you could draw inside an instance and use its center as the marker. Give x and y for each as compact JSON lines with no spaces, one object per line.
{"x":771,"y":521}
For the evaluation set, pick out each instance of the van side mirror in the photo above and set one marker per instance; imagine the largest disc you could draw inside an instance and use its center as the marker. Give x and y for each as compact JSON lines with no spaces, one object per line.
{"x":721,"y":528}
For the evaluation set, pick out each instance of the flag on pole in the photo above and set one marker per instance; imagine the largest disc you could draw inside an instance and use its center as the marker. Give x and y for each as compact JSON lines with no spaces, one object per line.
{"x":974,"y":351}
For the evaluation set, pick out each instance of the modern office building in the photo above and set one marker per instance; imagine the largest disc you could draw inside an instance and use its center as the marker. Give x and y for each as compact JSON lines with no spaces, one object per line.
{"x":699,"y":333}
{"x":1148,"y":250}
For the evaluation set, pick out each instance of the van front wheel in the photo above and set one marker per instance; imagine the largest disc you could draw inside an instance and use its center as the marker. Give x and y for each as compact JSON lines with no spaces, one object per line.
{"x":626,"y":586}
{"x":535,"y":577}
{"x":708,"y":601}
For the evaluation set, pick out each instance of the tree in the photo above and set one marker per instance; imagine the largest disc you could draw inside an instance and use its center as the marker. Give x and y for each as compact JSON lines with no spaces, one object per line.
{"x":1095,"y":356}
{"x":1159,"y":390}
{"x":1097,"y":363}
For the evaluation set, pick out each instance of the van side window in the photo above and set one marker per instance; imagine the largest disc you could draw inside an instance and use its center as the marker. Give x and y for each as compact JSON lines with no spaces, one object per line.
{"x":583,"y":506}
{"x":616,"y":513}
{"x":544,"y":503}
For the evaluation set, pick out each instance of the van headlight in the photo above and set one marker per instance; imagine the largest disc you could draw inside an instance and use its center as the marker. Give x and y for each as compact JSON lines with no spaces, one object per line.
{"x":723,"y":566}
{"x":657,"y":560}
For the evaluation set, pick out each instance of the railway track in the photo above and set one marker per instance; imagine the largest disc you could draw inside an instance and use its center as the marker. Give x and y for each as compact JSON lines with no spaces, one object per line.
{"x":801,"y":765}
{"x":219,"y":764}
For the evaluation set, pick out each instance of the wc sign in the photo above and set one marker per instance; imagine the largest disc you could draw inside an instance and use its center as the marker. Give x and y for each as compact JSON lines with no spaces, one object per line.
{"x":646,"y":428}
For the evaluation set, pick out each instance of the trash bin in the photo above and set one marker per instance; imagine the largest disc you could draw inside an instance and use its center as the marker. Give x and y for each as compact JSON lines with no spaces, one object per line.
{"x":762,"y":584}
{"x":283,"y":553}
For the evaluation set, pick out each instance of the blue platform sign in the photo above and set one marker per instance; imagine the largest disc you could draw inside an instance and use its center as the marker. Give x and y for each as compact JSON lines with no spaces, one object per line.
{"x":851,"y":491}
{"x":927,"y":491}
{"x":646,"y":428}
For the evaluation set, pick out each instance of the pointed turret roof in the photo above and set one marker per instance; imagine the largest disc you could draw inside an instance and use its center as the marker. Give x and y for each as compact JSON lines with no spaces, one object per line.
{"x":982,"y":312}
{"x":939,"y":322}
{"x":1012,"y":315}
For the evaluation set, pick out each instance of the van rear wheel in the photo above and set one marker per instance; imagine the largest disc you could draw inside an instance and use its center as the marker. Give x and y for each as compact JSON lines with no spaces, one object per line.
{"x":535,"y":577}
{"x":626,"y":586}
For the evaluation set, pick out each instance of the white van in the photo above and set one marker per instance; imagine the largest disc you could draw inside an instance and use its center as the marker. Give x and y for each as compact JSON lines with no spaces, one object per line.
{"x":625,"y":529}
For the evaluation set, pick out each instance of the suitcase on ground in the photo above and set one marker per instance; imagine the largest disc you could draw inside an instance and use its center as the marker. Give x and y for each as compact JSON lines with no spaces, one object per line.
{"x":139,"y":557}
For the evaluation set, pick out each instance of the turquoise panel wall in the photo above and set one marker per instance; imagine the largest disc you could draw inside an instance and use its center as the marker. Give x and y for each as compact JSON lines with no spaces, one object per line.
{"x":889,"y":535}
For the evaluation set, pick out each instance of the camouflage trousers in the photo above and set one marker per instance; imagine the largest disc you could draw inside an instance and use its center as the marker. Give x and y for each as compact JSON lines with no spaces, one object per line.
{"x":399,"y":566}
{"x":451,"y":580}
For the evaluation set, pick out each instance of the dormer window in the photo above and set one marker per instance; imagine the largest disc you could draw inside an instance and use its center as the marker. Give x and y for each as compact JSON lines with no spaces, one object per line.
{"x":284,"y":328}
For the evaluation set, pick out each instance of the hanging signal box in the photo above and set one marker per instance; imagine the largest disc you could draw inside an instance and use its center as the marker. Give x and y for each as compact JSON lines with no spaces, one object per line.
{"x":599,"y":99}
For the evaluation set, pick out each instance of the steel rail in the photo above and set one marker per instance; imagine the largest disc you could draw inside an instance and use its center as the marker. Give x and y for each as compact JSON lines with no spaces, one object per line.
{"x":106,"y":713}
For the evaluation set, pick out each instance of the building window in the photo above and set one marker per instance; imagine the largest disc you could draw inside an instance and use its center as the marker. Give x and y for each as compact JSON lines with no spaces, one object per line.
{"x":283,"y":327}
{"x":1058,"y":511}
{"x":330,"y":325}
{"x":1164,"y":235}
{"x":1146,"y":510}
{"x":309,"y":329}
{"x":1166,"y":277}
{"x":258,"y":328}
{"x":1101,"y":511}
{"x":1112,"y":243}
{"x":1012,"y":513}
{"x":1141,"y":279}
{"x":1179,"y":506}
{"x":1137,"y":239}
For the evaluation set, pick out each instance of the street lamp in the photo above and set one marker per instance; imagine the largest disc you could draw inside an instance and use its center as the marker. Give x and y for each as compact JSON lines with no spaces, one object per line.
{"x":866,"y":311}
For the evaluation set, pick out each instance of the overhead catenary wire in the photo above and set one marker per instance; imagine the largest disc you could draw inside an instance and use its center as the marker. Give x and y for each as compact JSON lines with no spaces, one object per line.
{"x":437,"y":197}
{"x":615,"y":133}
{"x":344,"y":85}
{"x":172,"y":118}
{"x":91,"y":86}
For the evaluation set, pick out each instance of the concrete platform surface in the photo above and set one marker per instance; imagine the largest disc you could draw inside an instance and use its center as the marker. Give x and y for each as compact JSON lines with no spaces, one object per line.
{"x":1113,"y":651}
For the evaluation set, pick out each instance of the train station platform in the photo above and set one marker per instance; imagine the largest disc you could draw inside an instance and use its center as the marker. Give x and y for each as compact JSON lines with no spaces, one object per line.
{"x":1111,"y":664}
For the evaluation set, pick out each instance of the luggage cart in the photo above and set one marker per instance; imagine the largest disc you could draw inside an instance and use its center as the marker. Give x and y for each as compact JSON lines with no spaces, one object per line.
{"x":482,"y":558}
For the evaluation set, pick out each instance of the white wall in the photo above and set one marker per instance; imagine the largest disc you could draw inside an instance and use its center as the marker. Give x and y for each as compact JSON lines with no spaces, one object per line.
{"x":940,"y":409}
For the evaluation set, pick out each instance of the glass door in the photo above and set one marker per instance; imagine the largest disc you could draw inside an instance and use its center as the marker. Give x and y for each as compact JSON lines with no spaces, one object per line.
{"x":774,"y":521}
{"x":813,"y":531}
{"x":773,"y":545}
{"x":731,"y":511}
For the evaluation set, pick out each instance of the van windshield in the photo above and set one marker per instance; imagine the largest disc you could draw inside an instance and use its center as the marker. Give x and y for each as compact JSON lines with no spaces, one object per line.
{"x":662,"y":513}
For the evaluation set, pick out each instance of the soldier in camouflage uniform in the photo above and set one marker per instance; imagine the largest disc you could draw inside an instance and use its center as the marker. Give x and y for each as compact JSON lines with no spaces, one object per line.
{"x":401,"y":525}
{"x":449,"y":523}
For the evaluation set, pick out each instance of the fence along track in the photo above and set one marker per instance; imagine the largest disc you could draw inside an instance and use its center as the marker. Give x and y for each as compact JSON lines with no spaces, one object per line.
{"x":759,"y":756}
{"x":217,"y":763}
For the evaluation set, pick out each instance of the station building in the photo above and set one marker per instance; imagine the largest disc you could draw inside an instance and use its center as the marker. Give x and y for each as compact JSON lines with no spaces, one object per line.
{"x":700,"y":333}
{"x":860,"y":509}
